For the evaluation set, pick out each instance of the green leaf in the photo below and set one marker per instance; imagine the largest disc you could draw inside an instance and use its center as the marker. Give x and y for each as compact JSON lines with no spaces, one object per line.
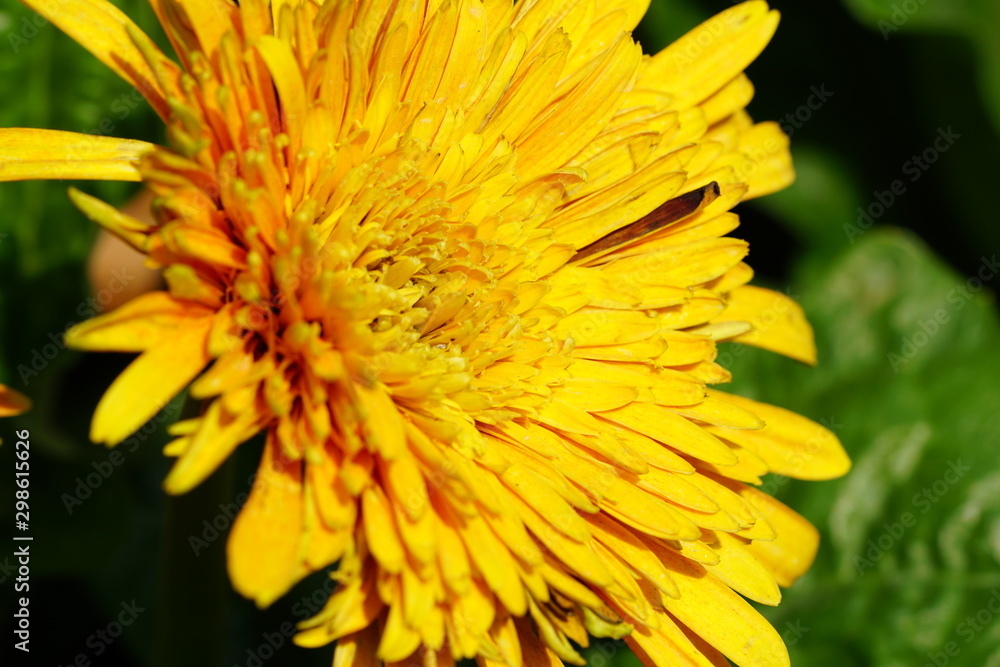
{"x":978,"y":21}
{"x":911,"y":537}
{"x":820,"y":206}
{"x":49,"y":81}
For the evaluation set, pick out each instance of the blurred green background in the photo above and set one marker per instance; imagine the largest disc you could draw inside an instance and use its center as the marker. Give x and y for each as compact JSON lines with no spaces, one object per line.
{"x":903,"y":303}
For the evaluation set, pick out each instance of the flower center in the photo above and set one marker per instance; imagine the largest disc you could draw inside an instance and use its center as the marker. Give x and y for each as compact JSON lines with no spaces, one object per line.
{"x":380,"y":284}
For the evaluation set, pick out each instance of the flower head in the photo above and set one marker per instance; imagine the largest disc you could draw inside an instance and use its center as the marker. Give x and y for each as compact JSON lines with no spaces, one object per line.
{"x":464,"y":263}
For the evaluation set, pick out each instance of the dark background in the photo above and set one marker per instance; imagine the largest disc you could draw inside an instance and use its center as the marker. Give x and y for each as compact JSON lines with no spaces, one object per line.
{"x":904,"y":312}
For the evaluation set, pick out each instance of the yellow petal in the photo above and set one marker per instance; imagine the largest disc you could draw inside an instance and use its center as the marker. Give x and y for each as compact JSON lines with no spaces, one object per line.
{"x":593,"y":326}
{"x":556,"y":576}
{"x":219,"y":433}
{"x":383,"y":424}
{"x":715,"y":411}
{"x":644,"y":511}
{"x":576,"y":556}
{"x":789,"y":444}
{"x":738,"y":569}
{"x":721,"y":617}
{"x":732,"y":98}
{"x":505,"y":634}
{"x":196,"y":25}
{"x":667,"y":387}
{"x":684,"y":266}
{"x":749,"y":469}
{"x":729,"y":500}
{"x":649,"y":450}
{"x":52,"y":154}
{"x":125,"y":227}
{"x":473,"y":614}
{"x":495,"y":563}
{"x":582,"y":112}
{"x":536,"y":491}
{"x":623,"y":543}
{"x":686,"y":348}
{"x":666,"y":646}
{"x":779,"y":323}
{"x":357,"y":649}
{"x":337,"y":507}
{"x":646,"y":350}
{"x":262,"y":550}
{"x":678,"y":490}
{"x":147,"y":321}
{"x":673,"y":430}
{"x":793,"y":550}
{"x":703,"y":61}
{"x":703,"y":307}
{"x":417,"y":533}
{"x":594,"y":396}
{"x":398,"y":639}
{"x":380,"y":530}
{"x":288,"y":81}
{"x":453,"y":558}
{"x":107,"y":32}
{"x":320,"y":545}
{"x":149,"y":383}
{"x":766,"y":163}
{"x":12,"y":402}
{"x":535,"y":653}
{"x":352,"y":607}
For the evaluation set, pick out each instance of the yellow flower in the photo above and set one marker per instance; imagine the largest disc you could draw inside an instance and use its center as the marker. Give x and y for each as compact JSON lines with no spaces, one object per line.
{"x":12,"y":403}
{"x":463,"y":262}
